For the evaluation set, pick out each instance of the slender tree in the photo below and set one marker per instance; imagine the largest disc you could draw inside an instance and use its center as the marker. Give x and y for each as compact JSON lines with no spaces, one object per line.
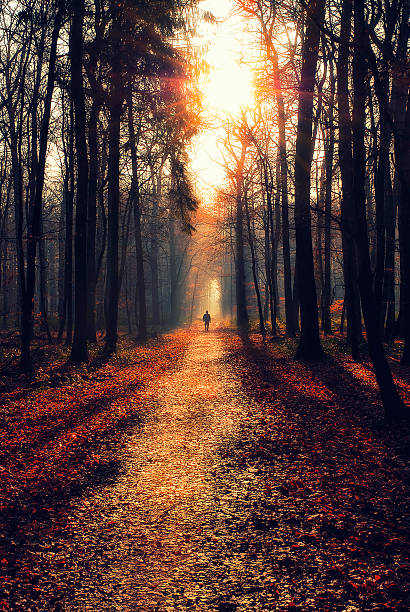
{"x":79,"y":351}
{"x":309,"y":342}
{"x":390,"y":397}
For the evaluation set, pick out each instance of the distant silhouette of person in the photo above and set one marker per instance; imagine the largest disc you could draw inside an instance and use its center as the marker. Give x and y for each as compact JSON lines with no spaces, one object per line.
{"x":206,"y":319}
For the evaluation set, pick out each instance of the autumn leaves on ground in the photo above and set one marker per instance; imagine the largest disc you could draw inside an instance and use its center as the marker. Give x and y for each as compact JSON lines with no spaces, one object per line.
{"x":207,"y":472}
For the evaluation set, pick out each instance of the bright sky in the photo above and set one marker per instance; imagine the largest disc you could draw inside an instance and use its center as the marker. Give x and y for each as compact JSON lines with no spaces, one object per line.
{"x":227,"y":89}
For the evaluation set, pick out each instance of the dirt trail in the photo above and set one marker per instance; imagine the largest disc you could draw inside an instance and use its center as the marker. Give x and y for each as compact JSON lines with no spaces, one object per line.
{"x":163,"y":549}
{"x":250,"y":486}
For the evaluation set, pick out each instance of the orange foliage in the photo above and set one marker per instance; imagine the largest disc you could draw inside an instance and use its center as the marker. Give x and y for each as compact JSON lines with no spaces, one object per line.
{"x":49,"y":435}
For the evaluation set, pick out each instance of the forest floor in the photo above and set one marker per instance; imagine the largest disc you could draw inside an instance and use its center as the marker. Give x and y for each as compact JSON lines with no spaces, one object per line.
{"x":203,"y":471}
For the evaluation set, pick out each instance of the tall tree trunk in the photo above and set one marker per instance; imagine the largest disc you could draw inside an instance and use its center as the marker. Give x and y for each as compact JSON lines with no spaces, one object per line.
{"x":114,"y":125}
{"x":389,"y":298}
{"x":327,"y":323}
{"x":43,"y":282}
{"x":127,"y":305}
{"x":34,"y":220}
{"x":270,"y":250}
{"x":92,"y":218}
{"x":320,"y":203}
{"x":5,"y":264}
{"x":113,"y":224}
{"x":241,"y":310}
{"x":401,"y":113}
{"x":309,"y":343}
{"x":254,"y":269}
{"x":290,"y":329}
{"x":173,"y":274}
{"x":295,"y":299}
{"x":68,"y":280}
{"x":5,"y":301}
{"x":404,"y":207}
{"x":95,"y":166}
{"x":66,"y":260}
{"x":382,"y":167}
{"x":135,"y":203}
{"x":79,"y":351}
{"x":193,"y":296}
{"x":273,"y":267}
{"x":352,"y":299}
{"x":61,"y":261}
{"x":25,"y":337}
{"x":268,"y":303}
{"x":142,"y":304}
{"x":390,"y":398}
{"x":156,"y":318}
{"x":125,"y":234}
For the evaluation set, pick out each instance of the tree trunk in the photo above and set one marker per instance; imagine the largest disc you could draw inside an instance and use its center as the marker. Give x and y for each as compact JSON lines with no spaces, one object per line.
{"x":114,"y":131}
{"x":309,"y":343}
{"x":113,"y":223}
{"x":382,"y":167}
{"x":404,"y":162}
{"x":254,"y":269}
{"x":5,"y":264}
{"x":352,"y":302}
{"x":295,"y":300}
{"x":25,"y":359}
{"x":79,"y":351}
{"x":135,"y":203}
{"x":173,"y":274}
{"x":34,"y":220}
{"x":241,"y":310}
{"x":43,"y":282}
{"x":127,"y":305}
{"x":401,"y":112}
{"x":327,"y":323}
{"x":290,"y":329}
{"x":268,"y":302}
{"x":92,"y":219}
{"x":193,"y":296}
{"x":390,"y":398}
{"x":389,"y":298}
{"x":61,"y":261}
{"x":68,"y":280}
{"x":156,"y":318}
{"x":342,"y":317}
{"x":273,"y":272}
{"x":142,"y":305}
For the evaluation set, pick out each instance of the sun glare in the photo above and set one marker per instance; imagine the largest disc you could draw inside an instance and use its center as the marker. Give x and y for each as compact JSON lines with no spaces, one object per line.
{"x":229,"y":88}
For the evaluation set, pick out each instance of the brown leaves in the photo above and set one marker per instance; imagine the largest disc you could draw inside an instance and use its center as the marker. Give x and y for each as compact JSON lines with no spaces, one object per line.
{"x":259,"y":483}
{"x":335,"y":477}
{"x":55,"y":441}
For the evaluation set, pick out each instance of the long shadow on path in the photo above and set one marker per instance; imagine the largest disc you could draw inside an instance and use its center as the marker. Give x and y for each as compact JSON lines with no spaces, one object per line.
{"x":338,"y":482}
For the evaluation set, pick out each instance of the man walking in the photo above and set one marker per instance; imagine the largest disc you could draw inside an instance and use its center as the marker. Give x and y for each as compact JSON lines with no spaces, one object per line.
{"x":206,"y":319}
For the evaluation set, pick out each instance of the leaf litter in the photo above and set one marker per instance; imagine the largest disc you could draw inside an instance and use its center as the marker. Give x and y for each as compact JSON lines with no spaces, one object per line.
{"x":207,"y":472}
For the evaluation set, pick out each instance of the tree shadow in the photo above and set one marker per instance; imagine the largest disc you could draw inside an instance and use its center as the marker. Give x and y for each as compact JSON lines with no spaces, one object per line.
{"x":360,"y":400}
{"x":18,"y":383}
{"x":36,"y":516}
{"x":332,"y":464}
{"x":367,"y":404}
{"x":260,"y":358}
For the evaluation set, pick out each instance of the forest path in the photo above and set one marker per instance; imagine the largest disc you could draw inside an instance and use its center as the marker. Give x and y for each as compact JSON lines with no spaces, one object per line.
{"x":157,"y":537}
{"x":253,"y":483}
